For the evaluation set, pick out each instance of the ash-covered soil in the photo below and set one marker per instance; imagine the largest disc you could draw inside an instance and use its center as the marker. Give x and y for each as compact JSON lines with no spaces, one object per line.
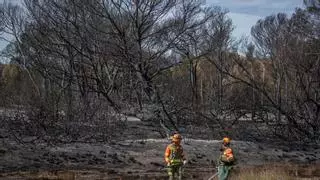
{"x":140,"y":156}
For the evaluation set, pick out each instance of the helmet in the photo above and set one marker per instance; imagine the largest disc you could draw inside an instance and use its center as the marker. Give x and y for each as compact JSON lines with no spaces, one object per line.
{"x":176,"y":138}
{"x":226,"y":140}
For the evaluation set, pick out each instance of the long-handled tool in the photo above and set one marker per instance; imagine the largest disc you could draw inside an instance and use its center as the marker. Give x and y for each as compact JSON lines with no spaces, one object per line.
{"x":213,"y":176}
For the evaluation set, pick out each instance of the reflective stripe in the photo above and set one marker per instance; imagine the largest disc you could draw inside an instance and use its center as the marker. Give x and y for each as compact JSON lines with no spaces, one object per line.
{"x":176,"y":161}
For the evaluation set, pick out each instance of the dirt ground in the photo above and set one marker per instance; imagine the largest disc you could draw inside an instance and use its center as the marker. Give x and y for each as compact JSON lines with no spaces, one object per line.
{"x":135,"y":158}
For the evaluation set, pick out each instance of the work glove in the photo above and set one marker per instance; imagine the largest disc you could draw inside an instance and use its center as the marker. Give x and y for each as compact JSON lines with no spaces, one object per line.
{"x":185,"y":162}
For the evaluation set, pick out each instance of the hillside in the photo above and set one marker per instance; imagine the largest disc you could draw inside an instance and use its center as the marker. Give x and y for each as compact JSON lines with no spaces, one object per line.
{"x":139,"y":157}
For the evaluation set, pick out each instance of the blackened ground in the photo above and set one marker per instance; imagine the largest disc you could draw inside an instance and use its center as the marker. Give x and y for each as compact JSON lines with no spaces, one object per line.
{"x":137,"y":153}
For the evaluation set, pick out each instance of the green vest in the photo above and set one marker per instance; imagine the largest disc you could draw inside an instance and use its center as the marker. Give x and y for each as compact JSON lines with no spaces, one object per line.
{"x":176,"y":154}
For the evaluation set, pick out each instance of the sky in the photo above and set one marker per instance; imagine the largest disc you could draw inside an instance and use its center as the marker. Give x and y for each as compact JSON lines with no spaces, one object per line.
{"x":244,"y":13}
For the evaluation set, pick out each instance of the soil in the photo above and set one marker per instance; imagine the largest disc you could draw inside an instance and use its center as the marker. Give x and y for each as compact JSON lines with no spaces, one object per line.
{"x":140,"y":156}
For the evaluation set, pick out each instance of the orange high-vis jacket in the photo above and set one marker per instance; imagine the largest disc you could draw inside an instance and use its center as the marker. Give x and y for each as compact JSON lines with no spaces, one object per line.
{"x":174,"y":154}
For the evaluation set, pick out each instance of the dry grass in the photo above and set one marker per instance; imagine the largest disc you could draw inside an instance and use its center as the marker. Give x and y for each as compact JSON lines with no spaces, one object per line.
{"x":277,"y":172}
{"x":264,"y":174}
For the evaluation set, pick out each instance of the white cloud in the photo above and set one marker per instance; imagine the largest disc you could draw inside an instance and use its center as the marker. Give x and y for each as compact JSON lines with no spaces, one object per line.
{"x":258,"y":7}
{"x":245,"y":13}
{"x":11,"y":1}
{"x":243,"y":23}
{"x":4,"y":43}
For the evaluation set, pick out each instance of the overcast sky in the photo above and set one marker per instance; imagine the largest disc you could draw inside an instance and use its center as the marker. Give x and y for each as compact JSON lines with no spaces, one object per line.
{"x":244,"y":13}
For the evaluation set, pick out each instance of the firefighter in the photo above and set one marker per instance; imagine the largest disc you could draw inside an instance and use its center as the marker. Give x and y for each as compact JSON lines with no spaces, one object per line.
{"x":226,"y":159}
{"x":175,"y":158}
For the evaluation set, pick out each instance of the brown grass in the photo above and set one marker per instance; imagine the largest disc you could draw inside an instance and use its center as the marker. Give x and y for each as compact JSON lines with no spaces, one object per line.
{"x":277,"y":172}
{"x":263,"y":174}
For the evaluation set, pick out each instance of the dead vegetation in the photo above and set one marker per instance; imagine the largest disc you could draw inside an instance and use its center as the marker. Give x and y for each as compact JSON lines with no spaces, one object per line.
{"x":265,"y":172}
{"x":78,"y":69}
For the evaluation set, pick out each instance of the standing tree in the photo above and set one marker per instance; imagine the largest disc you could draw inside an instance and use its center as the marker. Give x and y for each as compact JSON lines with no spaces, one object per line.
{"x":117,"y":49}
